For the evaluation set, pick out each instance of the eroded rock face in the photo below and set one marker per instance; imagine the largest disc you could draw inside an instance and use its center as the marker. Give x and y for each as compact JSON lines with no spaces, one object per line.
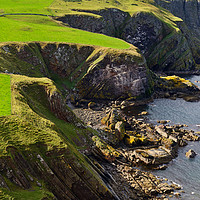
{"x":113,"y":78}
{"x":189,"y":12}
{"x":64,"y":176}
{"x":98,"y":73}
{"x":190,"y":154}
{"x":143,"y":31}
{"x":109,"y":21}
{"x":165,"y":48}
{"x":186,"y":10}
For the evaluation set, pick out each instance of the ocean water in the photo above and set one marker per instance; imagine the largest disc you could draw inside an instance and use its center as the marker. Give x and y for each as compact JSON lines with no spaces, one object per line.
{"x":181,"y":170}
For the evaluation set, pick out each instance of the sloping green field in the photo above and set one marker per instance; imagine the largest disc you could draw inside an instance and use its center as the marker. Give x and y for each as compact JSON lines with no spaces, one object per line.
{"x":26,"y":28}
{"x":40,"y":28}
{"x":25,"y":6}
{"x":5,"y":95}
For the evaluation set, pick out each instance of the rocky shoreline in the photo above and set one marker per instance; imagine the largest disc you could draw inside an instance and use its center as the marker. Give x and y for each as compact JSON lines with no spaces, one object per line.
{"x":125,"y":145}
{"x":128,"y":147}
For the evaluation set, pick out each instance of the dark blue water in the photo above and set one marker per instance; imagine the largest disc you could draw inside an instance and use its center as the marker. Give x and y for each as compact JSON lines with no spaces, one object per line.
{"x":181,"y":170}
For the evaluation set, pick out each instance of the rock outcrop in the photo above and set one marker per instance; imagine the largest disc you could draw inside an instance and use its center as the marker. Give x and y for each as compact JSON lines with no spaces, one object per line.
{"x":190,"y":154}
{"x":189,"y":12}
{"x":97,"y":73}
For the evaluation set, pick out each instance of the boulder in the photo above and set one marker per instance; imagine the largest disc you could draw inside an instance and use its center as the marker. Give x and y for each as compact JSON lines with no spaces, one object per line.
{"x":111,"y":118}
{"x":144,"y":113}
{"x":154,"y":156}
{"x":161,"y":131}
{"x":120,"y":130}
{"x":190,"y":154}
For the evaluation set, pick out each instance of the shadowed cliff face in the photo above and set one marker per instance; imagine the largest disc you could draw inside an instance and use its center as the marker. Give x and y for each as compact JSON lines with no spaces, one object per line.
{"x":166,"y":48}
{"x":189,"y":11}
{"x":100,"y":73}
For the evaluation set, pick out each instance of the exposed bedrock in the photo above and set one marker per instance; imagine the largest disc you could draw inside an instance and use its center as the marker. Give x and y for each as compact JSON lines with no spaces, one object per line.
{"x":98,"y":73}
{"x":166,"y":47}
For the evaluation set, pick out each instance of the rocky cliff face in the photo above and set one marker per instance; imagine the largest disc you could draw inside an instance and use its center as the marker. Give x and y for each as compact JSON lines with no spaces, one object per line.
{"x":112,"y":78}
{"x":187,"y":10}
{"x":100,"y":73}
{"x":166,"y":48}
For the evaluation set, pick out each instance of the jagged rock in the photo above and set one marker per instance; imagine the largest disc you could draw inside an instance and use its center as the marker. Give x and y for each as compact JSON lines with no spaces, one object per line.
{"x":165,"y":188}
{"x":191,"y":98}
{"x":182,"y":143}
{"x":176,"y":187}
{"x":190,"y":154}
{"x":104,"y":150}
{"x":176,"y":85}
{"x":163,"y":121}
{"x":161,"y":131}
{"x":154,"y":156}
{"x":120,"y":129}
{"x":143,"y":113}
{"x":112,"y":118}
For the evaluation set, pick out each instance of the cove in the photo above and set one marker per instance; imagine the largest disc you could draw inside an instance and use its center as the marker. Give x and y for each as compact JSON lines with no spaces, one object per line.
{"x":181,"y":170}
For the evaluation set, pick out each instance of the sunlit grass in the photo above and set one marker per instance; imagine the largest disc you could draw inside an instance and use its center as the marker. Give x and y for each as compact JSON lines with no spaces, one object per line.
{"x":39,"y":28}
{"x":25,"y":6}
{"x":5,"y":95}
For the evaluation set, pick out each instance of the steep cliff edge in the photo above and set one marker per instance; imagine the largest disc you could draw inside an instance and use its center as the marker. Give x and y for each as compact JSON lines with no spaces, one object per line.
{"x":189,"y":12}
{"x":96,"y":72}
{"x":161,"y":37}
{"x":39,"y":154}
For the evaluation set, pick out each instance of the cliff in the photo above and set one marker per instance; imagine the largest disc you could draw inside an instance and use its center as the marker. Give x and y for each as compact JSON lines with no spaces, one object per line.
{"x":161,"y":37}
{"x":40,"y":150}
{"x":96,"y":72}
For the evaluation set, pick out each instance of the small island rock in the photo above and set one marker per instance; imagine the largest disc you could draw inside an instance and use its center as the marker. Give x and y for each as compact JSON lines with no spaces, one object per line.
{"x":190,"y":154}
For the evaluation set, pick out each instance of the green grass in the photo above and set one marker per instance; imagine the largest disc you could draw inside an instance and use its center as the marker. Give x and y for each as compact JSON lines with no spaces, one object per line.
{"x":5,"y":95}
{"x":32,"y":121}
{"x":39,"y":28}
{"x":25,"y":6}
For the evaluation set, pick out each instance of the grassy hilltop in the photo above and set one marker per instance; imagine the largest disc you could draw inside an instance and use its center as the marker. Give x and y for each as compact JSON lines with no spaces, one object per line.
{"x":43,"y":28}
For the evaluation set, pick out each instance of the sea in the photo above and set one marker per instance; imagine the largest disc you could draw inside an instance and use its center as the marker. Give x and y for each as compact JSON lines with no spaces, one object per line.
{"x":183,"y":171}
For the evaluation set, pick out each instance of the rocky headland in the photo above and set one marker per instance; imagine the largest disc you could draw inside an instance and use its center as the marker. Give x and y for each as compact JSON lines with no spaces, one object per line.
{"x":70,"y":134}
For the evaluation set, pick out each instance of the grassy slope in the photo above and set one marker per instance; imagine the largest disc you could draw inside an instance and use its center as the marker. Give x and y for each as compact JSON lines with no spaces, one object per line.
{"x":31,"y":123}
{"x":5,"y":95}
{"x":23,"y":6}
{"x":31,"y":120}
{"x":39,"y":28}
